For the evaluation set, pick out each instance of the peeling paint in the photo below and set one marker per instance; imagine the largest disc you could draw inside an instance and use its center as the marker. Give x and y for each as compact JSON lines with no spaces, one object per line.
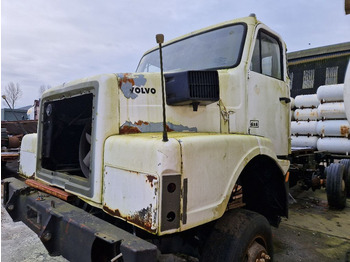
{"x":132,"y":196}
{"x":140,"y":123}
{"x":129,"y":82}
{"x":150,"y":179}
{"x":125,"y":129}
{"x":145,"y":127}
{"x":112,"y":212}
{"x":142,"y":218}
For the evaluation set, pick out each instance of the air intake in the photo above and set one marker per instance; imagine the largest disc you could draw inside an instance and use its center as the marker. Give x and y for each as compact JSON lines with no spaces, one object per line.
{"x":192,"y":88}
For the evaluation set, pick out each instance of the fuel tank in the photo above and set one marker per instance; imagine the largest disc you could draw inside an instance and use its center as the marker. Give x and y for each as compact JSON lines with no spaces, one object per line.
{"x":304,"y":141}
{"x":334,"y":110}
{"x":330,"y":93}
{"x":338,"y":128}
{"x":306,"y":101}
{"x":307,"y":114}
{"x":303,"y":127}
{"x":338,"y":145}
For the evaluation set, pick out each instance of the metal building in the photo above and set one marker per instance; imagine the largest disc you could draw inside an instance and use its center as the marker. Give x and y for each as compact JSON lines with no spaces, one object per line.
{"x":311,"y":68}
{"x":8,"y":114}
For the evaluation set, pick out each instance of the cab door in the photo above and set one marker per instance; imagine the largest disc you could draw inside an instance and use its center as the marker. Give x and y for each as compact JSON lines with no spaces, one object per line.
{"x":268,"y":99}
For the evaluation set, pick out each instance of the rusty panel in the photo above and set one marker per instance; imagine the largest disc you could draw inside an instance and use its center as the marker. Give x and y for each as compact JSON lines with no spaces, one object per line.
{"x":149,"y":127}
{"x":131,"y":196}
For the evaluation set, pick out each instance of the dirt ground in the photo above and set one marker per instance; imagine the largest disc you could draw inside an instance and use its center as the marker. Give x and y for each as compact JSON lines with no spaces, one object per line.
{"x":312,"y":232}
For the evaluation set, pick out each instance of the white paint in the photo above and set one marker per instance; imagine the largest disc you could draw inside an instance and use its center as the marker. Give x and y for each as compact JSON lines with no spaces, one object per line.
{"x":304,"y":127}
{"x":331,"y":93}
{"x":263,"y":95}
{"x":333,"y":128}
{"x":27,"y":158}
{"x":105,"y":124}
{"x":334,"y":110}
{"x":306,"y":101}
{"x":304,"y":141}
{"x":347,"y":92}
{"x":131,"y":193}
{"x":307,"y":114}
{"x":335,"y":145}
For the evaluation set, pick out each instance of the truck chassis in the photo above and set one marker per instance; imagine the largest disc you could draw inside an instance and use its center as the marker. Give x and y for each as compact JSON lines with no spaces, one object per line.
{"x":315,"y":169}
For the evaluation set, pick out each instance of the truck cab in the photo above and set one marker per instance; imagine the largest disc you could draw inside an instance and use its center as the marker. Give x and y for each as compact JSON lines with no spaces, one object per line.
{"x":228,"y":121}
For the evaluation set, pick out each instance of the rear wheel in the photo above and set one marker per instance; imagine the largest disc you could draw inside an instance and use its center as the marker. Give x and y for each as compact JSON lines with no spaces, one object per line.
{"x":335,"y":187}
{"x":240,"y":235}
{"x":346,"y":164}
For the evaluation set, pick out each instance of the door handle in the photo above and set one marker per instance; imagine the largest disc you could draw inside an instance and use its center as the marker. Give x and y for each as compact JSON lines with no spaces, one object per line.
{"x":285,"y":99}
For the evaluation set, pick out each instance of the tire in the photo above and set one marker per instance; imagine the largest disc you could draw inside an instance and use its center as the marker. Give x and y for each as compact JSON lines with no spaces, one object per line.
{"x":346,"y":164}
{"x":335,"y":186}
{"x":240,"y":235}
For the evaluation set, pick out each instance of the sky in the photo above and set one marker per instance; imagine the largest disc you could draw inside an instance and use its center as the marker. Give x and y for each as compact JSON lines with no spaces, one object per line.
{"x":50,"y":42}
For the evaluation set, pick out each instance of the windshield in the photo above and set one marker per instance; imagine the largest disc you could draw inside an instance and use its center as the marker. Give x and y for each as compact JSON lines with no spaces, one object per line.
{"x":220,"y":48}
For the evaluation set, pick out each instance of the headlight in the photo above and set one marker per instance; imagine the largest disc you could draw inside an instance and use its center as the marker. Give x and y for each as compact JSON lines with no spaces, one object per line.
{"x":49,"y":110}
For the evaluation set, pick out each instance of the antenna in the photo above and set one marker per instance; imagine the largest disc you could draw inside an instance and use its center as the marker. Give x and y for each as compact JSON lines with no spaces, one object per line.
{"x":160,"y":40}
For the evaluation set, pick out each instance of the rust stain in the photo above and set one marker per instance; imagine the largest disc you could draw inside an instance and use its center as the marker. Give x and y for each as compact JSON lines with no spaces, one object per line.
{"x":150,"y":179}
{"x":169,"y":129}
{"x":37,"y":226}
{"x":129,"y":130}
{"x":125,"y":79}
{"x":142,"y":218}
{"x":112,"y":212}
{"x":344,"y":130}
{"x":67,"y":226}
{"x":84,"y":226}
{"x":140,"y":123}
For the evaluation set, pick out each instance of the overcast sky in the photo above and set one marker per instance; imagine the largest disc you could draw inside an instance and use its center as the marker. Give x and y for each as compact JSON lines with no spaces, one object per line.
{"x":48,"y":42}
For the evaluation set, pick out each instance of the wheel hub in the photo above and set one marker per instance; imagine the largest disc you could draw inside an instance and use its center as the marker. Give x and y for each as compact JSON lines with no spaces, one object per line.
{"x":257,"y":253}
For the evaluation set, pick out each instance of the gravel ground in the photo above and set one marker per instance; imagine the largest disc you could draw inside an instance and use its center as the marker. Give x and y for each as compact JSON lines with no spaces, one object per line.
{"x":18,"y":242}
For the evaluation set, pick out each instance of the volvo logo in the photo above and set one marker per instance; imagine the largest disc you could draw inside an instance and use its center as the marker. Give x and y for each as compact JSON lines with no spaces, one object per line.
{"x":143,"y":90}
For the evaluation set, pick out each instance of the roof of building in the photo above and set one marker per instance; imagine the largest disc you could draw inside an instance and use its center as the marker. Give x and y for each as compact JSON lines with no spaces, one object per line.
{"x":319,"y":53}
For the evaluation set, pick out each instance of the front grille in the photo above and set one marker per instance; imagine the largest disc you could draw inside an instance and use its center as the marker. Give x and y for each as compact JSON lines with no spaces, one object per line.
{"x":203,"y":84}
{"x":192,"y":87}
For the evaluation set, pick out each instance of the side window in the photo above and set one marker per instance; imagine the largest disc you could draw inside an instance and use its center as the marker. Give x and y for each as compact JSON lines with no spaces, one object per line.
{"x":267,"y":56}
{"x":308,"y":79}
{"x":331,"y":75}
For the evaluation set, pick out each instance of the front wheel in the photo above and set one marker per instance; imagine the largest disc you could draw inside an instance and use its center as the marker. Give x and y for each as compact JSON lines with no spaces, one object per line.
{"x":240,"y":235}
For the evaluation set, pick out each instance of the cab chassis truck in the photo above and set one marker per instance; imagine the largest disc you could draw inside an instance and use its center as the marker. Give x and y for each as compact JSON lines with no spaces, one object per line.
{"x":314,"y":169}
{"x":110,"y":177}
